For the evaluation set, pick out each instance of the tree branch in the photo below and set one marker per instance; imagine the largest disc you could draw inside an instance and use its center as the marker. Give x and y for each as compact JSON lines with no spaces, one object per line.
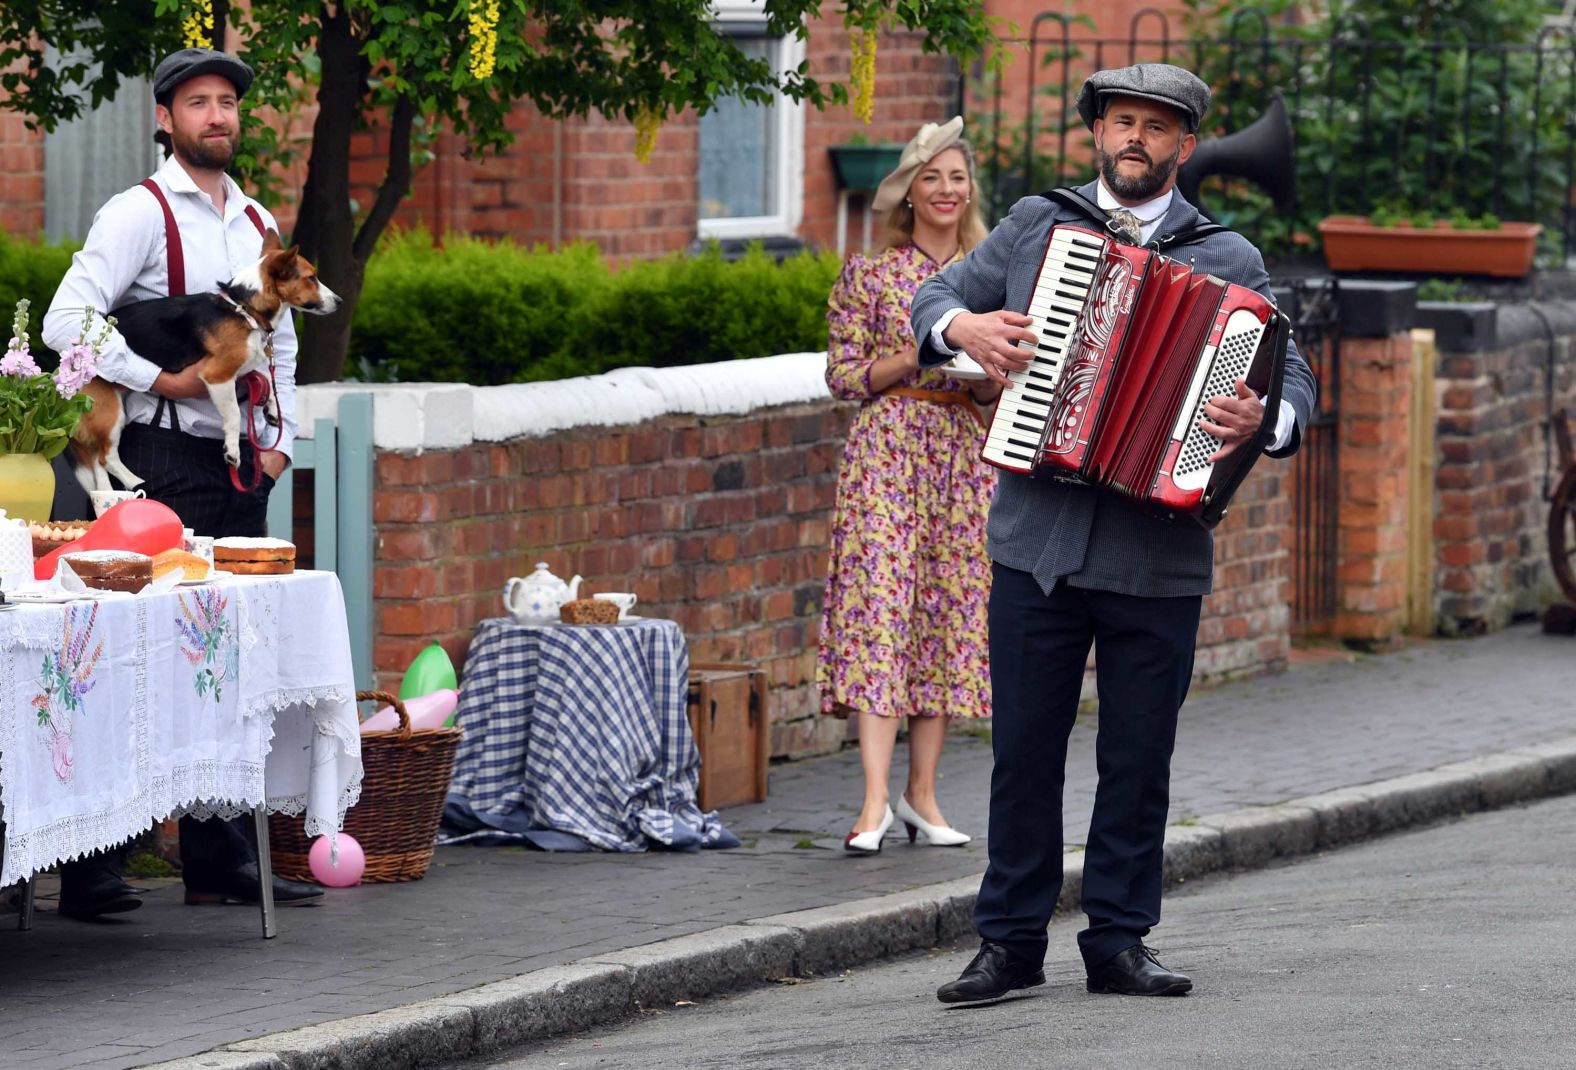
{"x":396,"y":181}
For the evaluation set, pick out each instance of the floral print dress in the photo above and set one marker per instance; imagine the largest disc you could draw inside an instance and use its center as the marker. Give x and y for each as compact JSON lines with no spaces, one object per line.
{"x":903,"y":625}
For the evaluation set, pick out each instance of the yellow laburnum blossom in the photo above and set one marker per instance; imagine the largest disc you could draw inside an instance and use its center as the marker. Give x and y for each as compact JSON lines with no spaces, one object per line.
{"x":484,"y":38}
{"x":197,"y":26}
{"x":862,"y":73}
{"x":647,"y":123}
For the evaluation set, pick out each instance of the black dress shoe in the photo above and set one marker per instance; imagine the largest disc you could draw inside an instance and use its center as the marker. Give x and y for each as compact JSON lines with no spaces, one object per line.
{"x":104,"y":893}
{"x":1136,"y":972}
{"x":239,"y":885}
{"x":991,"y":975}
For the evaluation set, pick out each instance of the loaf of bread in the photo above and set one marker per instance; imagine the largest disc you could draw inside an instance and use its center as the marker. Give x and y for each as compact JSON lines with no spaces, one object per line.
{"x":253,"y":557}
{"x":111,"y":570}
{"x":191,"y":566}
{"x":588,"y":611}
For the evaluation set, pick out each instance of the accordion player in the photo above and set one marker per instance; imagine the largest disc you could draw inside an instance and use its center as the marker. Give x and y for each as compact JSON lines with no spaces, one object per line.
{"x":1131,"y":344}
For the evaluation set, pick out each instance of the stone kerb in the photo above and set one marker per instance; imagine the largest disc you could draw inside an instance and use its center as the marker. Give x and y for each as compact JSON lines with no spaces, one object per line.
{"x":707,"y":491}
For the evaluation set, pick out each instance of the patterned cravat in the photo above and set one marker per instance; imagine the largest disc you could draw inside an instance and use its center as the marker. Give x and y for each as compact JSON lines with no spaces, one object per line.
{"x":1128,"y":226}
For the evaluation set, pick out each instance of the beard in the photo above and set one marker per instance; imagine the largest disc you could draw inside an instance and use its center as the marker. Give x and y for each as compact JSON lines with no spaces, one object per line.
{"x":211,"y":154}
{"x":1143,"y":186}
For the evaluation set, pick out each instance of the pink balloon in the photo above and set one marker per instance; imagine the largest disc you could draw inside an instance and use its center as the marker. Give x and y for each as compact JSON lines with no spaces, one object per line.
{"x":428,"y":711}
{"x":352,"y":862}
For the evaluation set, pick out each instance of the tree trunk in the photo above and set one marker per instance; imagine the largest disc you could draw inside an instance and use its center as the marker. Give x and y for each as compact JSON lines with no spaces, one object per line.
{"x":325,"y":229}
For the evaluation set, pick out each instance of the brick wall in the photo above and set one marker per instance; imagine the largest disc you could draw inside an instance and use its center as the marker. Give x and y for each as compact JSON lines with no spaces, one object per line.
{"x":1375,"y":404}
{"x":1491,"y":550}
{"x":21,"y":177}
{"x":718,"y":523}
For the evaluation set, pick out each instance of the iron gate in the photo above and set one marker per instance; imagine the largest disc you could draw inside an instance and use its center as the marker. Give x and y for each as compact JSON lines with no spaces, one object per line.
{"x":1316,"y":466}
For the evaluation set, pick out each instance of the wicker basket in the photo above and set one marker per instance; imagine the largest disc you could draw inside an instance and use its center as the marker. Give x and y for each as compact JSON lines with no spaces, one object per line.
{"x":405,"y":778}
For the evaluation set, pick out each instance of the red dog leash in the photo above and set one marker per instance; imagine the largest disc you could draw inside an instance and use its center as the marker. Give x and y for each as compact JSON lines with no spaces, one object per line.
{"x":258,"y":388}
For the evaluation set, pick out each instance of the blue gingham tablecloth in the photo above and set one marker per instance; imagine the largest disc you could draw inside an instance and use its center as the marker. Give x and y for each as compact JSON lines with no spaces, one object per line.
{"x":576,"y":737}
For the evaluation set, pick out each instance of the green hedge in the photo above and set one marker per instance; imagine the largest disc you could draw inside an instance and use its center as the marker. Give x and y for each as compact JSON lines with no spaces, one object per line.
{"x":484,"y":312}
{"x":32,"y":270}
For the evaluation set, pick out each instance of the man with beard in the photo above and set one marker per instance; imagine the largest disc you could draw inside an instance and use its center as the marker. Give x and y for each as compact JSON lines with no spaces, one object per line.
{"x":190,"y":218}
{"x":1076,"y":566}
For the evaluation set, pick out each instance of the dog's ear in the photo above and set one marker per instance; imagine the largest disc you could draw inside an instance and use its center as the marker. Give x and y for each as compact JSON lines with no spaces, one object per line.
{"x":271,"y":242}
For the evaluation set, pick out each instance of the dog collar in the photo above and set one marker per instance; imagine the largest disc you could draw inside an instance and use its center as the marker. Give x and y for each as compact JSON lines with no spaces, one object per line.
{"x":252,"y":320}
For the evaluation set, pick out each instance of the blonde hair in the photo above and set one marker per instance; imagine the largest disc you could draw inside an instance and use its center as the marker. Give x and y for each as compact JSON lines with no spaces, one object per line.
{"x":971,"y":226}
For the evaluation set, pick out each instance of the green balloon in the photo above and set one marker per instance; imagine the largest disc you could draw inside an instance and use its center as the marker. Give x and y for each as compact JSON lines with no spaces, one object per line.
{"x":429,"y":671}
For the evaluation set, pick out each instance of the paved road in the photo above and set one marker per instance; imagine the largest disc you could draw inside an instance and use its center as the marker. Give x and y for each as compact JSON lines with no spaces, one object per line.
{"x":1448,"y":947}
{"x":168,"y":981}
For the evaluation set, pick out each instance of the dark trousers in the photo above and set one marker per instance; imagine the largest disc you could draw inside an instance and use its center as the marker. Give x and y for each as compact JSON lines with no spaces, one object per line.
{"x":189,"y":475}
{"x":1144,"y":662}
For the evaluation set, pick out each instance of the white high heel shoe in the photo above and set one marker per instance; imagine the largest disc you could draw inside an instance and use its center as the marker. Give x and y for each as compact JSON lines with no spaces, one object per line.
{"x":868,"y":843}
{"x":935,"y":835}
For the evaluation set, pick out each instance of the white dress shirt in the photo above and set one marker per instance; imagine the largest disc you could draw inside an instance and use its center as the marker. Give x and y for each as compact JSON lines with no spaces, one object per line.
{"x":1149,"y":214}
{"x":124,"y":260}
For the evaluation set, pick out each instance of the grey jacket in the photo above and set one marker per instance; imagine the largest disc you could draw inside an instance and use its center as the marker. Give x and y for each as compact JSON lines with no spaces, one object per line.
{"x":1093,"y":538}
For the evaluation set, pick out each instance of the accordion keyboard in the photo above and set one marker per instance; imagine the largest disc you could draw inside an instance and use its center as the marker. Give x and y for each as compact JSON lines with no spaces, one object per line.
{"x":1072,"y":260}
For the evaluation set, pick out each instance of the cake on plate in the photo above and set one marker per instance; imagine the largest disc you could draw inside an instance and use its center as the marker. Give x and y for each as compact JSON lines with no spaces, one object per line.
{"x":253,"y":556}
{"x":111,"y":570}
{"x":190,"y":565}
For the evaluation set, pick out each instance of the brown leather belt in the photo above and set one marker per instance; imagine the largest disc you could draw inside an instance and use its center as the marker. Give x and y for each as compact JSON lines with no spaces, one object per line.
{"x":939,"y":397}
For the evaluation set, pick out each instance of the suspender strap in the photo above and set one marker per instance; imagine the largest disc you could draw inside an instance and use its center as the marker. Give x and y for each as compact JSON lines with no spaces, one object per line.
{"x":175,"y":258}
{"x":172,"y":240}
{"x":1071,"y":198}
{"x":173,"y":252}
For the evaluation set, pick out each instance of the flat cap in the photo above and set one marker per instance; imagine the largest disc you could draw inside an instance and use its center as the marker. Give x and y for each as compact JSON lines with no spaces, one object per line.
{"x":188,"y":63}
{"x":1160,"y":82}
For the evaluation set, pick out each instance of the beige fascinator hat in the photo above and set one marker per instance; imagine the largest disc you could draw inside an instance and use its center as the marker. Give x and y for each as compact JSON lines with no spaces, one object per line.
{"x":931,"y":139}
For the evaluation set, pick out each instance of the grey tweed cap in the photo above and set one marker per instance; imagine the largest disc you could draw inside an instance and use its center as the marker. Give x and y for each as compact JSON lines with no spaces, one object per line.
{"x":188,"y":63}
{"x":1161,"y":82}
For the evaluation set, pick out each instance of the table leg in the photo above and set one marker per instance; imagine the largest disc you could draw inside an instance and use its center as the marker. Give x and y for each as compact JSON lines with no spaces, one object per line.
{"x":24,"y":917}
{"x":265,"y":871}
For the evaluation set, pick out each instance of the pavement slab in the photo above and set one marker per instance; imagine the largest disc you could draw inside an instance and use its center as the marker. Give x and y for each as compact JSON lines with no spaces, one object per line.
{"x":1264,"y":768}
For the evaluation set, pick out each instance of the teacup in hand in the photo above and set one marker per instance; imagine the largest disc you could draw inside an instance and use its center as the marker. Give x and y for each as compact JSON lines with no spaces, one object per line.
{"x":624,"y":600}
{"x":104,"y":500}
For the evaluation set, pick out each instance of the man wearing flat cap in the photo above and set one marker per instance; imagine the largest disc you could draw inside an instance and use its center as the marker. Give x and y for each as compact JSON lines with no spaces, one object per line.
{"x":1075,"y":566}
{"x":186,"y":229}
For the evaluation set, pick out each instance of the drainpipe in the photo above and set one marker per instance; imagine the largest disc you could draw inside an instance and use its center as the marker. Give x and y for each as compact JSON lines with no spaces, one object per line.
{"x":558,"y":183}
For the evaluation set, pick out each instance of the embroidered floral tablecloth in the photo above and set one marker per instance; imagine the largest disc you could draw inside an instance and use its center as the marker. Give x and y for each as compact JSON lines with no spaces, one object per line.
{"x":205,"y":699}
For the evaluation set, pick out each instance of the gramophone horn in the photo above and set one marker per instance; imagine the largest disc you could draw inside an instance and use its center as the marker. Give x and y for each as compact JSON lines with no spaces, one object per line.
{"x":1260,"y":152}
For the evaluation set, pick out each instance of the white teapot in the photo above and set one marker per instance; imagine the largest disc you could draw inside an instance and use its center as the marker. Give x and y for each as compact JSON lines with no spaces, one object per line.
{"x":537,"y":597}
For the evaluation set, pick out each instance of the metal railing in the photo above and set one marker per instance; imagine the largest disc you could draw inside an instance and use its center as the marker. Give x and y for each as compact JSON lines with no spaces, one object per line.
{"x":1444,"y":124}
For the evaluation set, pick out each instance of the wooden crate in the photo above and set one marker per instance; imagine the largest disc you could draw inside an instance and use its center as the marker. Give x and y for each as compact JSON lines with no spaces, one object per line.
{"x":728,"y":716}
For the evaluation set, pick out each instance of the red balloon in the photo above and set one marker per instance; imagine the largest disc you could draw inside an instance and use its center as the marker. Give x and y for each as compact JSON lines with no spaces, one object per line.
{"x":140,"y":525}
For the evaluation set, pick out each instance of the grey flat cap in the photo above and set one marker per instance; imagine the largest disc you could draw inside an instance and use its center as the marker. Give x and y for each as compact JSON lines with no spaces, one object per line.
{"x":1161,"y":82}
{"x":188,"y":63}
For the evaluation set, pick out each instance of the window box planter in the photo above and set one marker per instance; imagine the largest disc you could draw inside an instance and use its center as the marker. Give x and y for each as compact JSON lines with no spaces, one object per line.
{"x":1351,"y":243}
{"x":862,"y":167}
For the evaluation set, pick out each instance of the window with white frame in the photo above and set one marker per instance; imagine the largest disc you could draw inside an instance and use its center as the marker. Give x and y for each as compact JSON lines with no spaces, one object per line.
{"x":752,"y":155}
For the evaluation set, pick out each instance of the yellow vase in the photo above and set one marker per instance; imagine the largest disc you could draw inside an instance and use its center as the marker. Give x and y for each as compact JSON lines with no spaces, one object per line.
{"x":27,"y":485}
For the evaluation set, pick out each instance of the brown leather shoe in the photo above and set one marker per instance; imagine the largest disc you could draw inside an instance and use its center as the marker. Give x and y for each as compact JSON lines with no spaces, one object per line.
{"x":1136,"y":972}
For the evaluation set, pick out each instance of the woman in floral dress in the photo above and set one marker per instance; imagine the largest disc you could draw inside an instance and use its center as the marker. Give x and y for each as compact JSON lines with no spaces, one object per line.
{"x":903,"y":630}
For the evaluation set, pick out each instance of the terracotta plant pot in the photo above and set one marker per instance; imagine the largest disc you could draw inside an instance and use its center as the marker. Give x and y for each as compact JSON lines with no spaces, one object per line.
{"x":1351,"y":243}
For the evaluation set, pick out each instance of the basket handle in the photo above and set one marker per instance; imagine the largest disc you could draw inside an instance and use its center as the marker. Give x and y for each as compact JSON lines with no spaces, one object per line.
{"x":389,"y":699}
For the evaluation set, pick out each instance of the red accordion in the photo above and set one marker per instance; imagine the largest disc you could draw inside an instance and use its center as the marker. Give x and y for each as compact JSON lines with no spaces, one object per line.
{"x":1131,"y":346}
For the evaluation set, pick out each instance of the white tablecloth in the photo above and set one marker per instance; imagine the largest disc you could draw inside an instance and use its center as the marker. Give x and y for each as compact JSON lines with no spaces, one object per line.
{"x":118,"y":712}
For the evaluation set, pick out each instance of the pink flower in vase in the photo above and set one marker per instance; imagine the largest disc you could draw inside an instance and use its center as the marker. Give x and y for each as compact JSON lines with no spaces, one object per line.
{"x":60,"y":755}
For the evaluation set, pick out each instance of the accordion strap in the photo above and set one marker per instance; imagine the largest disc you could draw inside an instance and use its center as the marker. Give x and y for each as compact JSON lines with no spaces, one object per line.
{"x":1071,"y":198}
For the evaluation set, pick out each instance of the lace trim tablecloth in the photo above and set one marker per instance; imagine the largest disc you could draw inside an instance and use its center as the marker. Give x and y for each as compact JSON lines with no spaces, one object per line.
{"x":206,"y":699}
